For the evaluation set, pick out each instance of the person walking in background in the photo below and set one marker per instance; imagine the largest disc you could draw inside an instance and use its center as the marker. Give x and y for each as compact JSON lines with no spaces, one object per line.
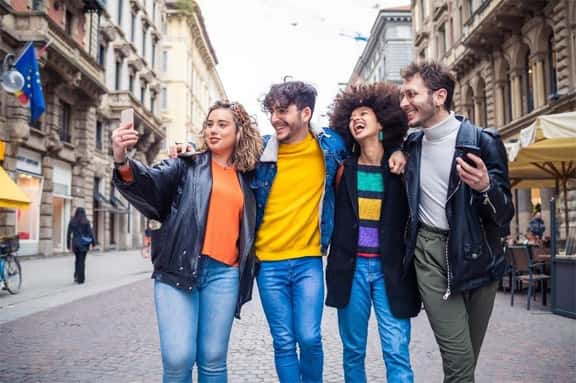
{"x":365,"y":262}
{"x":203,"y":253}
{"x":79,"y":239}
{"x":460,"y":203}
{"x":536,"y":226}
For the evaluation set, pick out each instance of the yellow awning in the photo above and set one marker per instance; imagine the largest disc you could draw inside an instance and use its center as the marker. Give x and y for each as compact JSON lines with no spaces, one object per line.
{"x":10,"y":194}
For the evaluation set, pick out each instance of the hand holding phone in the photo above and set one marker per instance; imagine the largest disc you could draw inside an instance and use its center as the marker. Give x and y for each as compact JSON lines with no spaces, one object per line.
{"x":125,"y":136}
{"x":476,"y":174}
{"x":127,"y":117}
{"x":465,"y":149}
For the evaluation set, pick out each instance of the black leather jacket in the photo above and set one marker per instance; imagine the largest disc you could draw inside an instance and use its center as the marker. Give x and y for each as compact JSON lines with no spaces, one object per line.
{"x":176,"y":192}
{"x":476,"y":220}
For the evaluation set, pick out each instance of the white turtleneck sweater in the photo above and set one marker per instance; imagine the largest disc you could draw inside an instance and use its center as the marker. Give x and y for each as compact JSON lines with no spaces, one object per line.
{"x":438,"y":146}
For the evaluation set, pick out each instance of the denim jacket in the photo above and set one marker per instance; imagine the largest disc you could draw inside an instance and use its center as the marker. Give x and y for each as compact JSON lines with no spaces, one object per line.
{"x":334,"y":151}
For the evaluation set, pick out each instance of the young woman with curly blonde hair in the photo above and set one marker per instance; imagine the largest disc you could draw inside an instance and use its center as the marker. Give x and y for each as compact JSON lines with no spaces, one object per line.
{"x":202,"y":254}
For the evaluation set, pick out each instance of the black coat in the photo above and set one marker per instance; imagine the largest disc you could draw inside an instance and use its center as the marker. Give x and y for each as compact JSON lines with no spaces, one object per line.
{"x":177,"y":192}
{"x":476,"y":220}
{"x":400,"y":282}
{"x":77,"y":231}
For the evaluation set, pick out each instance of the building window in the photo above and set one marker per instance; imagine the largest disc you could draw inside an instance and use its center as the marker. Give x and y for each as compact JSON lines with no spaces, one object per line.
{"x":552,"y":79}
{"x":131,"y":82}
{"x":461,"y":24}
{"x":144,"y":33}
{"x":152,"y":101}
{"x":65,"y":122}
{"x":142,"y":93}
{"x":154,"y":43}
{"x":68,"y":22}
{"x":132,"y":26}
{"x":118,"y":75}
{"x":102,"y":55}
{"x":119,"y":15}
{"x":99,"y":135}
{"x":470,"y":8}
{"x":441,"y":41}
{"x":37,"y":5}
{"x":484,"y":110}
{"x":37,"y":124}
{"x":528,"y":83}
{"x":450,"y":38}
{"x":164,"y":98}
{"x":164,"y":61}
{"x":508,"y":99}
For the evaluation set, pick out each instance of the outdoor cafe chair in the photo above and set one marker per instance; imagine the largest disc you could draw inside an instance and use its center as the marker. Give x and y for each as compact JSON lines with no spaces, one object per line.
{"x":525,"y":270}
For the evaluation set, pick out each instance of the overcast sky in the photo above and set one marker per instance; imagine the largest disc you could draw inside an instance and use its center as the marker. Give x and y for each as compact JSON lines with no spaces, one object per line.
{"x":258,"y":42}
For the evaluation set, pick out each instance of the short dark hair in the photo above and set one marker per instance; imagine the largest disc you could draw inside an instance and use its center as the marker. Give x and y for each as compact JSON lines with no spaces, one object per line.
{"x":383,"y":98}
{"x":284,"y":94}
{"x":435,"y":76}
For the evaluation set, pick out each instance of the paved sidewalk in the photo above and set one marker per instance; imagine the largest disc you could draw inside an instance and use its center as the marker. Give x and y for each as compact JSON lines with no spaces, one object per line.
{"x":109,"y":335}
{"x":48,"y":282}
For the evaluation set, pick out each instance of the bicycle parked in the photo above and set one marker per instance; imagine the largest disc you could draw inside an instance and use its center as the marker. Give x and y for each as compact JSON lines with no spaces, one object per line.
{"x":10,"y":269}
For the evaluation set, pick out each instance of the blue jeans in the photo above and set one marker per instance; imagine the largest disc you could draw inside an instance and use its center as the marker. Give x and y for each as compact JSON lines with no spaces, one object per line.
{"x":368,"y":287}
{"x":195,"y":326}
{"x":292,"y":294}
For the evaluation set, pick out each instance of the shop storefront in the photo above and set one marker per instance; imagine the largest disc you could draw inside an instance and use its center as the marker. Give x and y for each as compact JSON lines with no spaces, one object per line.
{"x":61,"y":204}
{"x":30,"y":180}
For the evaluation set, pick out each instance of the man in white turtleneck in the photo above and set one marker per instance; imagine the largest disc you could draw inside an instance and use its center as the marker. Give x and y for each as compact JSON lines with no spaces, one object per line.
{"x":452,"y":204}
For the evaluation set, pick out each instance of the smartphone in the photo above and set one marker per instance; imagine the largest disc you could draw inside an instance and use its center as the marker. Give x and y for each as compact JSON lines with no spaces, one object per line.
{"x":465,"y":149}
{"x":127,"y":117}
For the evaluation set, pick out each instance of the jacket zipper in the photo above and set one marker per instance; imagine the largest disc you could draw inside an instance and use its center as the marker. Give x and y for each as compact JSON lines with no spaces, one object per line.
{"x":448,"y":269}
{"x":486,"y":240}
{"x":488,"y":202}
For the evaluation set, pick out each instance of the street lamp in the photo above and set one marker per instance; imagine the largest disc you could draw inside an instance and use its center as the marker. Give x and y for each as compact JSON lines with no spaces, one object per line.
{"x":11,"y":80}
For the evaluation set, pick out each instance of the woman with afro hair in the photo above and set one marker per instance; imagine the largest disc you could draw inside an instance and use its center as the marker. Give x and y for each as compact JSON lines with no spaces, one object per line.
{"x":365,"y":261}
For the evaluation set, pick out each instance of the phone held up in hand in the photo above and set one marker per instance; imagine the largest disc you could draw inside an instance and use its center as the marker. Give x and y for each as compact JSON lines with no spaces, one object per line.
{"x":465,"y":149}
{"x":127,"y":117}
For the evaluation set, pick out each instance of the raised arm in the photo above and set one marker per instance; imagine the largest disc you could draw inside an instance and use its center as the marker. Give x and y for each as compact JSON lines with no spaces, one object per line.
{"x":148,"y":189}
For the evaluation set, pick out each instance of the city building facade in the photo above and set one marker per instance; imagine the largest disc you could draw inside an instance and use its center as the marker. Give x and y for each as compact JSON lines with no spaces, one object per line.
{"x":51,"y":159}
{"x":388,"y":49}
{"x":129,"y":50}
{"x":101,"y":58}
{"x":190,"y":81}
{"x":513,"y":60}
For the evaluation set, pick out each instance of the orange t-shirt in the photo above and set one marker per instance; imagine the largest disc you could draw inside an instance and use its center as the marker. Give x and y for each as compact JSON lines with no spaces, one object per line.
{"x":224,"y":216}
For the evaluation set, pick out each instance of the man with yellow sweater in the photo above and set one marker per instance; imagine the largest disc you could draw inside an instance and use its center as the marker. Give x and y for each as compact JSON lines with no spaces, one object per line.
{"x":294,"y":188}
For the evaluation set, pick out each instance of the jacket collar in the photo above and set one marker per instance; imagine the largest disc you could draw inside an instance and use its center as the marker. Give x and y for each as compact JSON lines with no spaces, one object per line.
{"x":270,"y":153}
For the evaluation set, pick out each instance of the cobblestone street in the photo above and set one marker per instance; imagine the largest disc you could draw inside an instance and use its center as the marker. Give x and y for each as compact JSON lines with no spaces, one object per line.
{"x":111,"y":337}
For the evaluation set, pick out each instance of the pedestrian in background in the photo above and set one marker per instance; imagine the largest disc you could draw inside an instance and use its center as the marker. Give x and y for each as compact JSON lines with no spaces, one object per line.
{"x":365,"y":263}
{"x":79,"y":239}
{"x":203,"y":253}
{"x":460,"y":207}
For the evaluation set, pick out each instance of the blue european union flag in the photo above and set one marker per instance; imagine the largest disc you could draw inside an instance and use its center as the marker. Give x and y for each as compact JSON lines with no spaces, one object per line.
{"x":27,"y":65}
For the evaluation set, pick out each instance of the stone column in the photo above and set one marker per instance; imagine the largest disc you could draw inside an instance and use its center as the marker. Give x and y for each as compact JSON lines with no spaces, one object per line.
{"x":45,"y":246}
{"x":524,"y":211}
{"x":516,"y":91}
{"x":478,"y":110}
{"x":537,"y":63}
{"x":545,"y":196}
{"x":499,"y":103}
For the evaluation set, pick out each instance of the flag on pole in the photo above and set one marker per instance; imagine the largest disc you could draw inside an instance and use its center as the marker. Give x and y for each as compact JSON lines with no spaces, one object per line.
{"x":27,"y":65}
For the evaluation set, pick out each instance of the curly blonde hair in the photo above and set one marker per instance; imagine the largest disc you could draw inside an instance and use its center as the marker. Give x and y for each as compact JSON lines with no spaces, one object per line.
{"x":248,"y":140}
